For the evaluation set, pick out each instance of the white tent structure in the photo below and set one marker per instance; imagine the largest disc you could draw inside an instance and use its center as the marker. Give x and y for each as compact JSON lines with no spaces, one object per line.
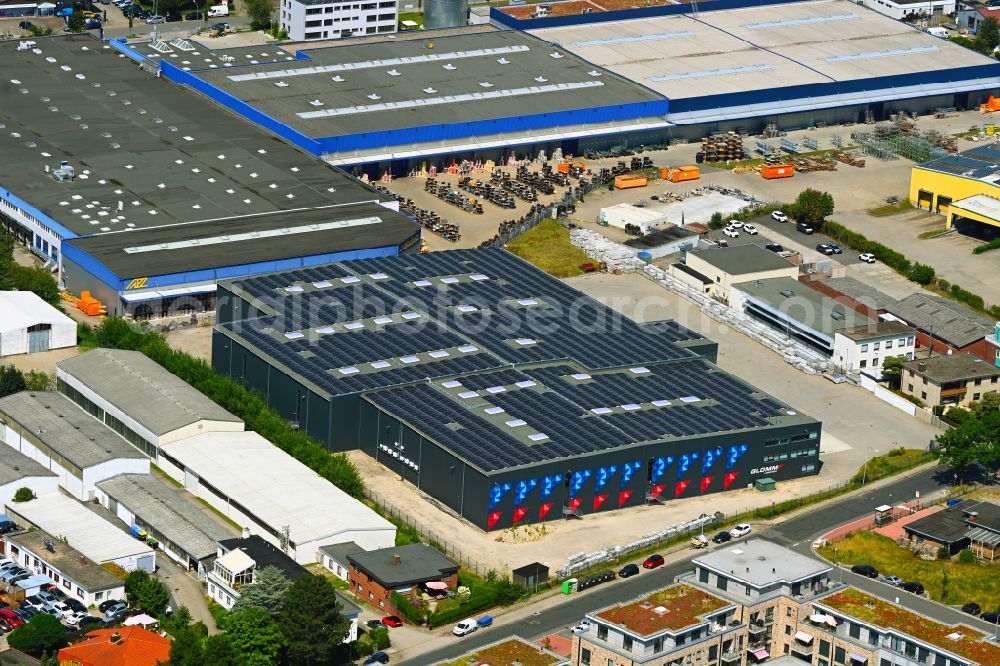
{"x":28,"y":325}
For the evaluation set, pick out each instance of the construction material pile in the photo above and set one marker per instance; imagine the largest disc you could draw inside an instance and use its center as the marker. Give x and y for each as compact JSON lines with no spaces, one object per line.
{"x":723,"y":147}
{"x":617,"y":257}
{"x":850,"y":157}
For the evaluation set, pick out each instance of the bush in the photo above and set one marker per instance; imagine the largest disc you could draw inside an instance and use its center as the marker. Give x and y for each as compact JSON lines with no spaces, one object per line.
{"x":716,"y":221}
{"x":966,"y":556}
{"x":986,"y":247}
{"x":219,"y":614}
{"x":481,"y":600}
{"x":404,"y":605}
{"x":956,"y":416}
{"x":24,"y":494}
{"x":921,"y":273}
{"x":379,"y":637}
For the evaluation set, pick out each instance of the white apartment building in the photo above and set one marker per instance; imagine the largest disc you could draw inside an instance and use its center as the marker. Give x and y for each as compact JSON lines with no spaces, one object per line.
{"x":864,"y":348}
{"x":306,"y":20}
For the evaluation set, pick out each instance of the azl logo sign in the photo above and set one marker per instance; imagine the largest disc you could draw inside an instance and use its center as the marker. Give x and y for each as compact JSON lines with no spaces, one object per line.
{"x":770,"y":469}
{"x":137,"y":283}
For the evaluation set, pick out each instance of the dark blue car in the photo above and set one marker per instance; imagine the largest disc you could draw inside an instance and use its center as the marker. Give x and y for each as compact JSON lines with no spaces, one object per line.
{"x":377,"y":658}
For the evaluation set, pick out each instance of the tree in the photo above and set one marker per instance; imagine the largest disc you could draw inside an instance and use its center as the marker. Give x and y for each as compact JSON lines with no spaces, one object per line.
{"x":180,"y":621}
{"x":6,"y":260}
{"x":312,"y":621}
{"x":153,"y":597}
{"x":186,"y":649}
{"x":135,"y":580}
{"x":259,"y":12}
{"x":921,"y":273}
{"x":717,"y":221}
{"x":76,"y":22}
{"x":987,"y":36}
{"x":989,"y":403}
{"x":11,"y":381}
{"x":256,"y":637}
{"x":961,"y":446}
{"x":812,"y":206}
{"x":268,"y":592}
{"x":892,"y":370}
{"x":43,"y":633}
{"x":24,"y":494}
{"x":219,"y":651}
{"x":379,"y":637}
{"x":36,"y":280}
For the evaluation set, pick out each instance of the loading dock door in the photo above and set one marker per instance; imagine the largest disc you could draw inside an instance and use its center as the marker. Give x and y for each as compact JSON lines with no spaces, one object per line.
{"x":146,"y":563}
{"x":38,"y":338}
{"x":925,"y":199}
{"x":943,"y":204}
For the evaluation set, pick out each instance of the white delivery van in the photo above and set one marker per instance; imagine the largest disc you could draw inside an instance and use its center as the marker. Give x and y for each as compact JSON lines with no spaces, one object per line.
{"x":218,"y":10}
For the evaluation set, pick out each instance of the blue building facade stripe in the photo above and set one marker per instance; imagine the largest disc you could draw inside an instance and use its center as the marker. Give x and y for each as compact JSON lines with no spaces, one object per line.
{"x":18,"y":202}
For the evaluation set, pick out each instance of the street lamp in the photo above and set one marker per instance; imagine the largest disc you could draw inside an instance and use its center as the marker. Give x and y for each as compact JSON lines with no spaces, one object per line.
{"x":864,"y":474}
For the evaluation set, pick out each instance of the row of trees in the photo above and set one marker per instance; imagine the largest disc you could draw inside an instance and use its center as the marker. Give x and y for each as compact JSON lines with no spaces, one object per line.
{"x":274,"y":622}
{"x":14,"y":381}
{"x":986,"y":40}
{"x":25,"y":278}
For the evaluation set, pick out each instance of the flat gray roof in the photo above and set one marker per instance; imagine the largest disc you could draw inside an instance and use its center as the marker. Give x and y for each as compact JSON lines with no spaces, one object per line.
{"x":340,"y":551}
{"x":68,"y":431}
{"x":374,"y":75}
{"x":157,"y":399}
{"x":146,"y":152}
{"x":760,"y":562}
{"x":806,"y":306}
{"x":418,"y":563}
{"x":951,"y":368}
{"x":742,"y":259}
{"x":172,"y":513}
{"x":249,"y":240}
{"x":67,"y":560}
{"x":878,"y":329}
{"x":15,"y":466}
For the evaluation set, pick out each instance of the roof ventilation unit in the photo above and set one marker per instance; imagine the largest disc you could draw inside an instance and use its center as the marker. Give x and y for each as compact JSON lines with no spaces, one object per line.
{"x":430,"y":91}
{"x":64,"y":172}
{"x":393,"y":72}
{"x":337,"y":78}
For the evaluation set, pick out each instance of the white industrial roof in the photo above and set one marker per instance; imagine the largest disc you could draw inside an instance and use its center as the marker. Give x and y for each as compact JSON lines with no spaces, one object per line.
{"x":83,"y":529}
{"x":21,"y":309}
{"x":981,"y":204}
{"x":272,"y":485}
{"x":741,"y":50}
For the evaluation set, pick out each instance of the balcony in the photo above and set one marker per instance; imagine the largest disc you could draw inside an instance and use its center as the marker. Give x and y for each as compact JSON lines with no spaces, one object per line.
{"x":756,"y":628}
{"x":956,"y":391}
{"x":732,"y":658}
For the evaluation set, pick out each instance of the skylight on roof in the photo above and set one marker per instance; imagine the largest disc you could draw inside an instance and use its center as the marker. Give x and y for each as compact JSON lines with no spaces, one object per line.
{"x":495,"y":389}
{"x":353,"y":325}
{"x":322,"y":284}
{"x":639,"y":370}
{"x":601,"y":410}
{"x":449,"y":280}
{"x":381,"y":364}
{"x":348,"y":370}
{"x":661,"y":403}
{"x":378,"y":276}
{"x":870,"y":55}
{"x":465,"y":349}
{"x":466,"y":395}
{"x":538,"y":437}
{"x":494,"y":410}
{"x":439,"y":353}
{"x":690,"y":398}
{"x":636,"y":38}
{"x":293,"y":288}
{"x":516,"y":423}
{"x":527,"y":301}
{"x":410,"y":315}
{"x":467,"y":308}
{"x":630,"y":407}
{"x":451,"y":383}
{"x":580,"y":376}
{"x":410,"y":359}
{"x":478,"y":276}
{"x":294,"y":335}
{"x":421,"y":283}
{"x":524,"y":342}
{"x":527,"y":383}
{"x":382,"y":320}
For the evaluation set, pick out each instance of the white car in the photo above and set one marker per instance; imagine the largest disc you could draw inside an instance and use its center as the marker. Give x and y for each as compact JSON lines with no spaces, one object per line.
{"x":465,"y":627}
{"x":750,"y":229}
{"x":867,"y":257}
{"x":778,"y":216}
{"x":732,"y":233}
{"x":735,"y":224}
{"x":74,"y":617}
{"x":740,"y":530}
{"x":581,"y":628}
{"x":61,"y":610}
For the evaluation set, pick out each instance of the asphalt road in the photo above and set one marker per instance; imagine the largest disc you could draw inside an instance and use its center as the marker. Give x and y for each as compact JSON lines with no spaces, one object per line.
{"x":797,"y":533}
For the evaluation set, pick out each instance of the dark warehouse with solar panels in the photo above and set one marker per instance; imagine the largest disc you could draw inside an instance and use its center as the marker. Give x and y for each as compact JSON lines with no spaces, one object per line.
{"x":500,"y":391}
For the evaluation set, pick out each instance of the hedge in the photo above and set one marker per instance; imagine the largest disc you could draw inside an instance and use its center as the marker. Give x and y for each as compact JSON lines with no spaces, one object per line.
{"x":237,"y":398}
{"x":986,"y":247}
{"x":481,"y":600}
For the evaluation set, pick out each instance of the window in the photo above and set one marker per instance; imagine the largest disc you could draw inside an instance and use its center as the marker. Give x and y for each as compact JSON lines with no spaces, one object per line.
{"x":788,"y":612}
{"x":371,"y":595}
{"x":909,"y":387}
{"x":658,"y":645}
{"x":703,"y":575}
{"x":824,"y":648}
{"x":602,"y":632}
{"x":909,"y":340}
{"x":788,"y":629}
{"x":864,"y":363}
{"x":875,"y":346}
{"x":888,"y":344}
{"x":864,"y":347}
{"x":855,"y":630}
{"x":839,"y":655}
{"x":923,"y":394}
{"x":381,"y":603}
{"x":975,"y":396}
{"x":627,"y":643}
{"x":585,"y":657}
{"x":979,"y":381}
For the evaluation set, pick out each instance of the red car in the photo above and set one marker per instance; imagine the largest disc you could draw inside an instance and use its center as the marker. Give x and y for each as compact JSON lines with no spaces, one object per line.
{"x":10,"y":617}
{"x":392,"y":621}
{"x":653,"y":561}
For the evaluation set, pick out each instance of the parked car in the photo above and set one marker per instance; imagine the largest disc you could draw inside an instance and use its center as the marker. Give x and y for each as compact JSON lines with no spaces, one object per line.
{"x":581,"y":628}
{"x":735,"y":224}
{"x":7,"y":526}
{"x":87,"y":621}
{"x":172,"y":17}
{"x":74,"y":618}
{"x":465,"y":627}
{"x":653,"y":561}
{"x":722,"y":537}
{"x":990,"y":618}
{"x":891,"y":580}
{"x":375,"y":624}
{"x":699,"y":542}
{"x":867,"y":257}
{"x":912,"y":587}
{"x":11,"y":617}
{"x":774,"y":247}
{"x":25,"y":25}
{"x":836,"y":248}
{"x":740,"y":530}
{"x":825,"y":248}
{"x":865,"y":570}
{"x":377,"y":658}
{"x":628,"y":570}
{"x":60,"y":610}
{"x":392,"y":621}
{"x":5,"y":626}
{"x":105,"y":605}
{"x":115,"y":609}
{"x":750,"y":229}
{"x":732,"y":233}
{"x":34,"y":601}
{"x":45,"y":595}
{"x":804,"y":228}
{"x":155,"y":18}
{"x":972,"y":608}
{"x":778,"y":216}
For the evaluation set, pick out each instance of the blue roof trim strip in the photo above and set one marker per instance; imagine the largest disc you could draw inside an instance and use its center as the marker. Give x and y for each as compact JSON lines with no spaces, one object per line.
{"x":43,"y":219}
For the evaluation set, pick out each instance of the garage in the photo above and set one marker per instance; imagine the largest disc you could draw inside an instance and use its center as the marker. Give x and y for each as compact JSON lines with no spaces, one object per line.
{"x":30,"y":325}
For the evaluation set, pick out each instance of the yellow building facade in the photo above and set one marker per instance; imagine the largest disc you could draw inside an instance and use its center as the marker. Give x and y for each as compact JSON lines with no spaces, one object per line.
{"x":965,"y":185}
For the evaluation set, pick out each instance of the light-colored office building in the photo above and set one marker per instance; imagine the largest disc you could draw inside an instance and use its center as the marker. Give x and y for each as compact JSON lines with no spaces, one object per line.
{"x":310,"y":20}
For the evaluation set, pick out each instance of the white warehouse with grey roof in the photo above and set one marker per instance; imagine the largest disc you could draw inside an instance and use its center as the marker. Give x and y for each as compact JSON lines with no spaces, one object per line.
{"x":186,"y":532}
{"x":260,"y":487}
{"x":19,"y":471}
{"x":51,"y":430}
{"x":139,"y":399}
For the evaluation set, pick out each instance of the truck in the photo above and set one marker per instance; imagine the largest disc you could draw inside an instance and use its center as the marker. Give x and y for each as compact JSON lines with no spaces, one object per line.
{"x":218,"y":10}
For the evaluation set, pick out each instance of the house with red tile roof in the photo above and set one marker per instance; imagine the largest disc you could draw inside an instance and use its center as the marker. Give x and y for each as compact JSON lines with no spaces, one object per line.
{"x":128,"y":646}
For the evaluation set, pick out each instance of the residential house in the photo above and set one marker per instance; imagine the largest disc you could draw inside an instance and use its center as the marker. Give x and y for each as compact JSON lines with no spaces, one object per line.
{"x":238,"y":562}
{"x":968,"y":524}
{"x":954,"y":380}
{"x":125,"y":646}
{"x":375,"y":574}
{"x":864,"y":348}
{"x":944,"y":326}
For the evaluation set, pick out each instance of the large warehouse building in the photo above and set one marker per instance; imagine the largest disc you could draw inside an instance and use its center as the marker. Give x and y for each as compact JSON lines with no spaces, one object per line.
{"x":129,"y":186}
{"x":578,"y":78}
{"x":500,"y":391}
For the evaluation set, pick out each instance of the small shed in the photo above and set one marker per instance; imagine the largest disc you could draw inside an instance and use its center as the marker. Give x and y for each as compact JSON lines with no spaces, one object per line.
{"x":31,"y":325}
{"x":530,"y":576}
{"x":765,"y":485}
